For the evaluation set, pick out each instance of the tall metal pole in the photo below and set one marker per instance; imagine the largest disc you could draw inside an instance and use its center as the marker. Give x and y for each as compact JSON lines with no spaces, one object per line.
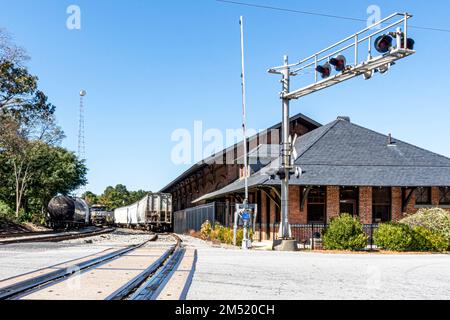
{"x":244,"y":112}
{"x":81,"y":141}
{"x":286,"y":151}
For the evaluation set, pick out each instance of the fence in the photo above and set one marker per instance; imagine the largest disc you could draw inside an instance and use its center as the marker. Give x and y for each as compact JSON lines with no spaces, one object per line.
{"x":193,"y":218}
{"x":310,"y":235}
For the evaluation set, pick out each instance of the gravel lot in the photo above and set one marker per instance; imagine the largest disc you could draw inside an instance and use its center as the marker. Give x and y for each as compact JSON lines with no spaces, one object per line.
{"x":235,"y":274}
{"x":16,"y":259}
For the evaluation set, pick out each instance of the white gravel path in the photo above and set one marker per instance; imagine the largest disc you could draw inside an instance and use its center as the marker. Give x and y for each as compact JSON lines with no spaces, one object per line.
{"x":236,"y":274}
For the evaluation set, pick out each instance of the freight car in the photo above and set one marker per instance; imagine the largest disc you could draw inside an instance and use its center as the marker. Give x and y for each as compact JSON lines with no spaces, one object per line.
{"x":66,"y":212}
{"x":153,"y":212}
{"x":100,"y":215}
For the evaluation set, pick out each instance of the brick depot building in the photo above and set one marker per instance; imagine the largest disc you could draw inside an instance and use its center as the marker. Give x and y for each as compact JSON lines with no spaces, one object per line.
{"x":344,"y":168}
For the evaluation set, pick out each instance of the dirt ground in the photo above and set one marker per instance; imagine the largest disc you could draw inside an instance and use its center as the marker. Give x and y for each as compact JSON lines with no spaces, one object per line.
{"x":8,"y":227}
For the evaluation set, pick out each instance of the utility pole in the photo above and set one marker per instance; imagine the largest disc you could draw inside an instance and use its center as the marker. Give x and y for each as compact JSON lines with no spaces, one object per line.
{"x":285,"y":153}
{"x":244,"y":111}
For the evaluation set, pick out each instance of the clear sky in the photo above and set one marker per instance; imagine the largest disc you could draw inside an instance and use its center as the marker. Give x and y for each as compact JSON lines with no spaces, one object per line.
{"x":151,"y":67}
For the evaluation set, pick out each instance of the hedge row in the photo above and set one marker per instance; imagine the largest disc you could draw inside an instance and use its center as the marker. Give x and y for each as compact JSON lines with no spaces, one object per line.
{"x":402,"y":237}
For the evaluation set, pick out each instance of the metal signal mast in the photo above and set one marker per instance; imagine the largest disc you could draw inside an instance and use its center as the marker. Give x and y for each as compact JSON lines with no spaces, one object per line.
{"x":324,"y":62}
{"x":81,"y":142}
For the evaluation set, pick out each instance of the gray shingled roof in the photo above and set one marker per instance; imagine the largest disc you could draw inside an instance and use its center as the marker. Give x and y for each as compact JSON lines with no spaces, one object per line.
{"x":344,"y":154}
{"x":236,"y":186}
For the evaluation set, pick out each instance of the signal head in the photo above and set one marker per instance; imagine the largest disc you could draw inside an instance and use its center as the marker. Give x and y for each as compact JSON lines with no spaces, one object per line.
{"x":383,"y":43}
{"x":339,"y":63}
{"x":409,"y":43}
{"x":324,"y":70}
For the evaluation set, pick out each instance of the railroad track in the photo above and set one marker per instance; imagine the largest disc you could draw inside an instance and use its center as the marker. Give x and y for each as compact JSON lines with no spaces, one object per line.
{"x":137,"y":272}
{"x":51,"y":236}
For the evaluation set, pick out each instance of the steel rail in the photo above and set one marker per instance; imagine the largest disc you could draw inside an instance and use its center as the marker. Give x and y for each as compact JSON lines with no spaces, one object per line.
{"x":152,"y":286}
{"x":137,"y":285}
{"x":24,"y":234}
{"x":56,"y":237}
{"x":18,"y":289}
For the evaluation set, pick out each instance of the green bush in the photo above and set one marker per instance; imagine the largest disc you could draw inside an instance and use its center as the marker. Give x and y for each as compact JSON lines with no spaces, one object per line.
{"x":394,"y":236}
{"x":436,"y":220}
{"x":344,"y":233}
{"x":401,"y":237}
{"x":5,"y":210}
{"x":426,"y":240}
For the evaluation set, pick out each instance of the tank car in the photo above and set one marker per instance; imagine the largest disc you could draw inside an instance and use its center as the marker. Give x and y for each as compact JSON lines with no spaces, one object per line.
{"x":68,"y":212}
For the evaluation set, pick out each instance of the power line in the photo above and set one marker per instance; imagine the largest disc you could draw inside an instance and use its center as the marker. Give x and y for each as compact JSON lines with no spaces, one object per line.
{"x":319,"y":14}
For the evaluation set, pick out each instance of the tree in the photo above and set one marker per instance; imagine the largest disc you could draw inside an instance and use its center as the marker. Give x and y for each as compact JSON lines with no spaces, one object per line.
{"x":55,"y":171}
{"x":9,"y":51}
{"x":22,"y":145}
{"x":90,"y":197}
{"x":26,"y":117}
{"x":115,"y":197}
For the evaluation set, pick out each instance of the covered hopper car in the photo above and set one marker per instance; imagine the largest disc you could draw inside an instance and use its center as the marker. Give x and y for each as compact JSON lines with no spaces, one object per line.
{"x":153,"y":212}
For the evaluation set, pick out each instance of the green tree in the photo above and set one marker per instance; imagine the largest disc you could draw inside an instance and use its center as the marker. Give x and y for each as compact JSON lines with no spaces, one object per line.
{"x":55,"y":171}
{"x":91,"y":198}
{"x":27,"y":121}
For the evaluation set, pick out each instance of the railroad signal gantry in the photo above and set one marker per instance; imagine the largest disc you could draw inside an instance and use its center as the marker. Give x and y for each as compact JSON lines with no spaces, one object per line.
{"x":379,"y":36}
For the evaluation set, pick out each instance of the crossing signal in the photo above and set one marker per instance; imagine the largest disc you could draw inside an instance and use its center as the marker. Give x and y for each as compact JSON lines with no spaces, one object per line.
{"x":339,"y":63}
{"x":324,"y":70}
{"x":383,"y":43}
{"x":409,"y":43}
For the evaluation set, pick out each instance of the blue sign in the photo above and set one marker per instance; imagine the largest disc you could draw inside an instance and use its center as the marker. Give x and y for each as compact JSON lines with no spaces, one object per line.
{"x":245,"y":216}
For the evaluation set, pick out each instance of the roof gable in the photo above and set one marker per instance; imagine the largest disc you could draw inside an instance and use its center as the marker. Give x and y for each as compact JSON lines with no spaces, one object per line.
{"x":347,"y":144}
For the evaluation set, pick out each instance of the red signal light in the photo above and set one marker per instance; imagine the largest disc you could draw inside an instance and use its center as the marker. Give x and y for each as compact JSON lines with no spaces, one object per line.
{"x":339,"y":63}
{"x":383,"y":43}
{"x":324,"y":70}
{"x":409,"y":43}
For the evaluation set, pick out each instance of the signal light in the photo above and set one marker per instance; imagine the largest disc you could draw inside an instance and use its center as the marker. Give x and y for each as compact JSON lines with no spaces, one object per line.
{"x":281,"y":174}
{"x":383,"y":43}
{"x":324,"y":70}
{"x":339,"y":63}
{"x":409,"y":43}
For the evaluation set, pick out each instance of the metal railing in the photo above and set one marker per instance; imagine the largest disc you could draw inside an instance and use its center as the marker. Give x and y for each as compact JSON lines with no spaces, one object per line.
{"x":310,"y":235}
{"x":353,"y":43}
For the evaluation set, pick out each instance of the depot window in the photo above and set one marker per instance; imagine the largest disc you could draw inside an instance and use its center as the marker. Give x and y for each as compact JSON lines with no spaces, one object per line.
{"x":423,"y":196}
{"x":348,"y":200}
{"x":381,"y":204}
{"x":317,"y":205}
{"x":444,"y":195}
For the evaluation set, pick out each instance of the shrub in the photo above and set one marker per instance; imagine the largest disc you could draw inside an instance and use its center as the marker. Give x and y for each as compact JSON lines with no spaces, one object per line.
{"x":436,"y":220}
{"x":221,"y":233}
{"x":344,"y":233}
{"x":5,"y":210}
{"x":205,"y":229}
{"x":426,"y":240}
{"x":394,"y":236}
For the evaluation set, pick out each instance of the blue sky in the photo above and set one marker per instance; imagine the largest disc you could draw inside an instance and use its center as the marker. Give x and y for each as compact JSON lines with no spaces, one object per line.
{"x":151,"y":67}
